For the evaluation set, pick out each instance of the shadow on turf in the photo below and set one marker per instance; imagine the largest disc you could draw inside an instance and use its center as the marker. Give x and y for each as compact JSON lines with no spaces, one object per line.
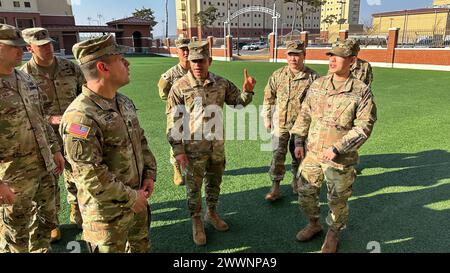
{"x":400,"y":219}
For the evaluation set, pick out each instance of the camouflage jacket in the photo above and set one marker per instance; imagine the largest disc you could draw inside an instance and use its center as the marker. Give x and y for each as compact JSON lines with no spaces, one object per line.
{"x":23,"y":130}
{"x":169,"y":78}
{"x":59,"y":91}
{"x":340,"y":118}
{"x":201,"y":104}
{"x":362,"y":70}
{"x":284,"y":94}
{"x":108,"y":154}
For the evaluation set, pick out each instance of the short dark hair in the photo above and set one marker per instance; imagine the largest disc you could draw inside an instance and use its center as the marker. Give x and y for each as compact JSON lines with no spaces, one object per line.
{"x":89,"y":69}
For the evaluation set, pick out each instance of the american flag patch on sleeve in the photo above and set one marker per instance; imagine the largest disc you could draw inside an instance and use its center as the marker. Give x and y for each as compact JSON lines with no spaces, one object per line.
{"x":78,"y":130}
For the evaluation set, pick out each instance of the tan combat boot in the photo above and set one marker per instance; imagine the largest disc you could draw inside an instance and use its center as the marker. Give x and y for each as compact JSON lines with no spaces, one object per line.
{"x":55,"y":235}
{"x":213,"y":218}
{"x":311,"y":230}
{"x":177,"y":177}
{"x":294,"y":185}
{"x":75,"y":216}
{"x":198,"y":231}
{"x":331,"y":242}
{"x":274,"y":193}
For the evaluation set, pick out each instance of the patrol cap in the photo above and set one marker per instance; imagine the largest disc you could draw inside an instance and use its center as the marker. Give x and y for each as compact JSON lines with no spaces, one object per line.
{"x":10,"y":35}
{"x":37,"y":36}
{"x":198,"y":51}
{"x":343,"y":49}
{"x":96,"y":48}
{"x":182,"y":42}
{"x":295,"y":46}
{"x":356,"y":45}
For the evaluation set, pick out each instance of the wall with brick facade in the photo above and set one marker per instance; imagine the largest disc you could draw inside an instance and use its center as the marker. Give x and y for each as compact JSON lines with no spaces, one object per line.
{"x":433,"y":59}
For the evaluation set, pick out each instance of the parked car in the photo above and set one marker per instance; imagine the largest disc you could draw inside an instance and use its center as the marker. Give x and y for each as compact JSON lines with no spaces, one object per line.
{"x":248,"y":47}
{"x":255,"y":46}
{"x":241,"y":45}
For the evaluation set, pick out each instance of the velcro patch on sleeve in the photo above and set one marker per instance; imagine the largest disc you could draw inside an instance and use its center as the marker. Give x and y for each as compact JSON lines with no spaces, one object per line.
{"x":78,"y":130}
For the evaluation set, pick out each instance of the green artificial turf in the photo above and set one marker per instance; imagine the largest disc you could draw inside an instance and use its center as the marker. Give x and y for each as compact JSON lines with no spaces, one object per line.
{"x":400,"y":200}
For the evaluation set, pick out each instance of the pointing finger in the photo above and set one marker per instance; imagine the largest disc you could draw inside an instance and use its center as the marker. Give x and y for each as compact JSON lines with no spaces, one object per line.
{"x":245,"y":74}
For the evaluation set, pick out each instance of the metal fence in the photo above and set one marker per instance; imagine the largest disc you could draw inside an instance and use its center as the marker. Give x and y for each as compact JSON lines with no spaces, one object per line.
{"x":437,"y":38}
{"x":370,"y":41}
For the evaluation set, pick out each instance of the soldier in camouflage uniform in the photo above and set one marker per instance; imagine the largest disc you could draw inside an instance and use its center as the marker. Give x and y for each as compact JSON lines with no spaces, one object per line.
{"x":113,"y":168}
{"x":29,"y":150}
{"x":199,"y":97}
{"x":336,"y":119}
{"x":165,"y":84}
{"x":361,"y":69}
{"x":283,"y":95}
{"x":61,"y":81}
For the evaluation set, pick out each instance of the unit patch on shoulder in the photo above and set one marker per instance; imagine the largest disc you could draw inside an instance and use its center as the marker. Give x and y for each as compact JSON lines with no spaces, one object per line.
{"x":78,"y":130}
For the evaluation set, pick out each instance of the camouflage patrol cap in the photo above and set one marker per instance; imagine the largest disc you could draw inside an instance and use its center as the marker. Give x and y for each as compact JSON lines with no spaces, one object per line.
{"x":198,"y":51}
{"x":182,"y":42}
{"x":37,"y":36}
{"x":10,"y":35}
{"x":295,"y":47}
{"x":355,"y":44}
{"x":96,"y":48}
{"x":343,"y":49}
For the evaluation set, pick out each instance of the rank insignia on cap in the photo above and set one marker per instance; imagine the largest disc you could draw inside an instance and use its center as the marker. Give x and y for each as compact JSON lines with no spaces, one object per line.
{"x":80,"y":131}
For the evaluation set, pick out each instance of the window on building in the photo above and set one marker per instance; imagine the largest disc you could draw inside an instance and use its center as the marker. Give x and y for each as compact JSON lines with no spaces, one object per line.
{"x":16,"y":4}
{"x":24,"y":23}
{"x":27,"y":4}
{"x":2,"y":20}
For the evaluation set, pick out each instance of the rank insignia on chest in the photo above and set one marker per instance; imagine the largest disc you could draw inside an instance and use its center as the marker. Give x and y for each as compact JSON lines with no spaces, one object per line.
{"x":79,"y":131}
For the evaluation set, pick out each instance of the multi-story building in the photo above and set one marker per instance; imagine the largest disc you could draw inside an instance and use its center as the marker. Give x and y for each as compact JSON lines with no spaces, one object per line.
{"x":56,"y":15}
{"x":416,"y":24}
{"x":252,"y":24}
{"x":31,"y":13}
{"x":339,"y":15}
{"x":441,"y":3}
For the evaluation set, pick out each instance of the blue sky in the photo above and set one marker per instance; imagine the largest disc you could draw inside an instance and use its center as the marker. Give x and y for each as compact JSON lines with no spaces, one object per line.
{"x":115,"y":9}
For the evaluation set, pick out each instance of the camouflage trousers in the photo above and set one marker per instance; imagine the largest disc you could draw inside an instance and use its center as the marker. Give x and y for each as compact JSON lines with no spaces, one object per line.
{"x":127,"y":234}
{"x":27,"y":224}
{"x":208,"y":167}
{"x":282,"y":142}
{"x":312,"y":174}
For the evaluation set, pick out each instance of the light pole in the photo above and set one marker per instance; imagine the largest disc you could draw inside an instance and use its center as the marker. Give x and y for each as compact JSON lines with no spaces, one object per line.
{"x":342,"y":13}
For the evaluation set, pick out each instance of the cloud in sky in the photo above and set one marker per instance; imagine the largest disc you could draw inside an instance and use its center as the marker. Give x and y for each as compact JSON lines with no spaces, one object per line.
{"x":374,"y":2}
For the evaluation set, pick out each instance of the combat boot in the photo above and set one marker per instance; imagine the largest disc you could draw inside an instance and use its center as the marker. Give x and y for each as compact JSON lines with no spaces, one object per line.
{"x":274,"y":193}
{"x":294,"y":185}
{"x":311,"y":230}
{"x":55,"y":235}
{"x":198,"y":231}
{"x":331,"y":242}
{"x":177,"y":177}
{"x":75,"y":216}
{"x":213,"y":218}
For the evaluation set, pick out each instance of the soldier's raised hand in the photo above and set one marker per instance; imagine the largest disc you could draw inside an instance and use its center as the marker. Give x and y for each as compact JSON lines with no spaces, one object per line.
{"x":249,"y":82}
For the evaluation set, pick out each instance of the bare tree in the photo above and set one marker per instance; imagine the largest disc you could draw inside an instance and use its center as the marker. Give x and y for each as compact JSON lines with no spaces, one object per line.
{"x":305,"y":7}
